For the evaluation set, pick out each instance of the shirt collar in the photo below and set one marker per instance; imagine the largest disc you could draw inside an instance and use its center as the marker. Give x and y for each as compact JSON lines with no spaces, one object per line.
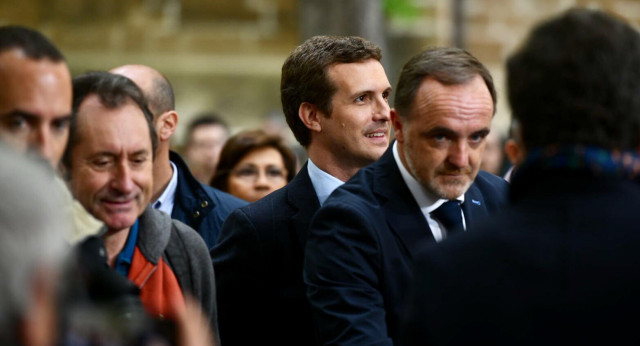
{"x":165,"y":201}
{"x":323,"y":182}
{"x":425,"y":199}
{"x":125,"y":257}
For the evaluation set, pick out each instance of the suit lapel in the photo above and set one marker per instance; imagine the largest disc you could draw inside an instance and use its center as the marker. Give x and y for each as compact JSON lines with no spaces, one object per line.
{"x":403,"y":214}
{"x":303,"y":200}
{"x":474,"y":207}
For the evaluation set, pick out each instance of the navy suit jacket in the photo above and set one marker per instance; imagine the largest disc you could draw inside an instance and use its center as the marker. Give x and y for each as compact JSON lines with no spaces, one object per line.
{"x":361,"y":248}
{"x":558,"y":267}
{"x":200,"y":206}
{"x":258,"y":266}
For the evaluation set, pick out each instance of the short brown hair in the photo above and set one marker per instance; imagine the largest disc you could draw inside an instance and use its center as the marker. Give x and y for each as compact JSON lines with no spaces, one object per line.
{"x":305,"y":79}
{"x":243,"y":143}
{"x":449,"y":66}
{"x":114,"y":91}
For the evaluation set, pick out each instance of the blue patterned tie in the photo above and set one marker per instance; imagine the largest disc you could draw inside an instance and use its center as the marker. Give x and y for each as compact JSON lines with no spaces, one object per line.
{"x":450,"y":215}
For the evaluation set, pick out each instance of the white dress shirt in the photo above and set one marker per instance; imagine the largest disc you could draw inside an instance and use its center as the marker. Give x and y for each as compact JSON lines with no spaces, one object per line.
{"x":165,"y":201}
{"x":426,"y":200}
{"x":323,"y":182}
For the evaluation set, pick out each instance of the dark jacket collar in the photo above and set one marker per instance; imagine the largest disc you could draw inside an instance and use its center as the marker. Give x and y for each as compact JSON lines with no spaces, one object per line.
{"x":154,"y":231}
{"x":191,"y":201}
{"x":303,"y":199}
{"x":404,"y":216}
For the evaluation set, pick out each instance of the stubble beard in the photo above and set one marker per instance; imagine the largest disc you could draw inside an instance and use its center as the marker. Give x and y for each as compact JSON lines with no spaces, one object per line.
{"x":446,"y":190}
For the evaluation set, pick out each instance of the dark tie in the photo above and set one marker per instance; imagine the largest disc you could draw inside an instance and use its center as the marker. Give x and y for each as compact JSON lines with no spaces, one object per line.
{"x":450,"y":215}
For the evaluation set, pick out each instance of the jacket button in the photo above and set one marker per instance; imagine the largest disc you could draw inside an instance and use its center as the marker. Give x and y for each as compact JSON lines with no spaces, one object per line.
{"x":204,"y":204}
{"x":196,"y":213}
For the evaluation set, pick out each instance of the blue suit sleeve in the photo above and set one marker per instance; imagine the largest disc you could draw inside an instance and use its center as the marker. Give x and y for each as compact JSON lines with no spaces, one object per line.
{"x":236,"y":261}
{"x":342,"y":271}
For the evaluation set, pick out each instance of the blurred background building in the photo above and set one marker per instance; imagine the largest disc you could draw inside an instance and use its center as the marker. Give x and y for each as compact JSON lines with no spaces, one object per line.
{"x":226,"y":55}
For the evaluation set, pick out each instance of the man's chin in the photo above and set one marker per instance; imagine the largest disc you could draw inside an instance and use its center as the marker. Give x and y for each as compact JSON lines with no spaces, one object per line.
{"x":451,"y":190}
{"x":374,"y":153}
{"x":119,"y":221}
{"x":115,"y":226}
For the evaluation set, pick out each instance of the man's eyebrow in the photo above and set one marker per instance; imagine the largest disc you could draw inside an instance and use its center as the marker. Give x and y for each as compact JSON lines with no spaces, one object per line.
{"x":482,"y":132}
{"x":370,"y":91}
{"x":19,"y":113}
{"x":440,"y":130}
{"x":31,"y":116}
{"x":64,"y":116}
{"x":140,"y":152}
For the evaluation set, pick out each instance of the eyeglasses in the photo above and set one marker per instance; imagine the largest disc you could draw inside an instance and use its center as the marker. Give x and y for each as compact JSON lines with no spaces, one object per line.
{"x":252,"y":173}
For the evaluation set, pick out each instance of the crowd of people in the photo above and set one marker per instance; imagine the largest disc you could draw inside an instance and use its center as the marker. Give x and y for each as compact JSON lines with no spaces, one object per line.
{"x":109,"y":237}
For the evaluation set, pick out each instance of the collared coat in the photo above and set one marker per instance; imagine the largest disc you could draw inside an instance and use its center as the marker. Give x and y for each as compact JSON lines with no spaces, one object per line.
{"x":361,"y":249}
{"x":199,"y":206}
{"x":258,"y":264}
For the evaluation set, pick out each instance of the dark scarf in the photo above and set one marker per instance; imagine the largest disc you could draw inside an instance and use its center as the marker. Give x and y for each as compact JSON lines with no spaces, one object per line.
{"x":575,"y":162}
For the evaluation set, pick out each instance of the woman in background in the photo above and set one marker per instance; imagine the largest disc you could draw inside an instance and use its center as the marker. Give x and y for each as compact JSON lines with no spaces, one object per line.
{"x":253,"y":164}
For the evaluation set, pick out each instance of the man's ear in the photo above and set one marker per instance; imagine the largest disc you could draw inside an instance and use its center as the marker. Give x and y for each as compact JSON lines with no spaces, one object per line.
{"x":398,"y":128}
{"x":514,"y":151}
{"x":166,"y":125}
{"x":310,"y":116}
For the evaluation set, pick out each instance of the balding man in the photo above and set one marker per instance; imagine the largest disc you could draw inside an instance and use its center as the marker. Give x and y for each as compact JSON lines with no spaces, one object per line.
{"x":175,"y":190}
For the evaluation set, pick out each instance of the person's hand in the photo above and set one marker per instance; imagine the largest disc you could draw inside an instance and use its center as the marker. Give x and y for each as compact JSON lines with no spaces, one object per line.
{"x":193,"y":326}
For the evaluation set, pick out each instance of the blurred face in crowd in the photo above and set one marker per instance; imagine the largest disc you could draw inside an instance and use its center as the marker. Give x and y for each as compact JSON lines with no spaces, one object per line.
{"x":442,"y":140}
{"x":257,"y":174}
{"x":357,"y":130}
{"x":493,"y":154}
{"x":205,"y":145}
{"x":35,"y":104}
{"x":111,"y":164}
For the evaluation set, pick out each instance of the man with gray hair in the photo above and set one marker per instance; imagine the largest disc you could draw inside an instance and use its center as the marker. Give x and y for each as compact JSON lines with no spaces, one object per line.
{"x":175,"y":190}
{"x":32,"y":249}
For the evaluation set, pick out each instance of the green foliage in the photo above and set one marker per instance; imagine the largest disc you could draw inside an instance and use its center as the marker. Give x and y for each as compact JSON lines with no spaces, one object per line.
{"x":400,"y":9}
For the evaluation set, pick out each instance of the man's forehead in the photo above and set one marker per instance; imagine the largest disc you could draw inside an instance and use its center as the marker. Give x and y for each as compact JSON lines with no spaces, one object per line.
{"x":15,"y":61}
{"x":336,"y":70}
{"x":92,"y":110}
{"x":93,"y":104}
{"x":97,"y":123}
{"x":473,"y":91}
{"x":367,"y":75}
{"x":12,"y":56}
{"x":34,"y":86}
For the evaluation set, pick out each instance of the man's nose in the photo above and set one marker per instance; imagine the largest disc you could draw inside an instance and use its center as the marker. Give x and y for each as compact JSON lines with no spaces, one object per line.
{"x":382,"y":110}
{"x":459,"y":154}
{"x":122,"y":180}
{"x":41,"y":142}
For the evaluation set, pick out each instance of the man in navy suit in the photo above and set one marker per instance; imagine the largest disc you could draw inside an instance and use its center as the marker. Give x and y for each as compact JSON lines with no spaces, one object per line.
{"x":175,"y":190}
{"x":560,"y":266}
{"x":335,"y":98}
{"x":363,"y":240}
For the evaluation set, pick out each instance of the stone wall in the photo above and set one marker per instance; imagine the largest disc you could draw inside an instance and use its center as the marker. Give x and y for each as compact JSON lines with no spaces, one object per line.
{"x":226,"y":55}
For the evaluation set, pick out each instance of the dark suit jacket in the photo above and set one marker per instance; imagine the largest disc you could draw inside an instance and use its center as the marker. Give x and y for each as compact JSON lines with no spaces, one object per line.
{"x":258,"y":266}
{"x":560,"y":267}
{"x":200,"y":206}
{"x":361,"y":248}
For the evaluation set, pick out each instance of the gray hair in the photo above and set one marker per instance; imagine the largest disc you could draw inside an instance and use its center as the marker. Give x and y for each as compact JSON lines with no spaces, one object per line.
{"x":33,"y":227}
